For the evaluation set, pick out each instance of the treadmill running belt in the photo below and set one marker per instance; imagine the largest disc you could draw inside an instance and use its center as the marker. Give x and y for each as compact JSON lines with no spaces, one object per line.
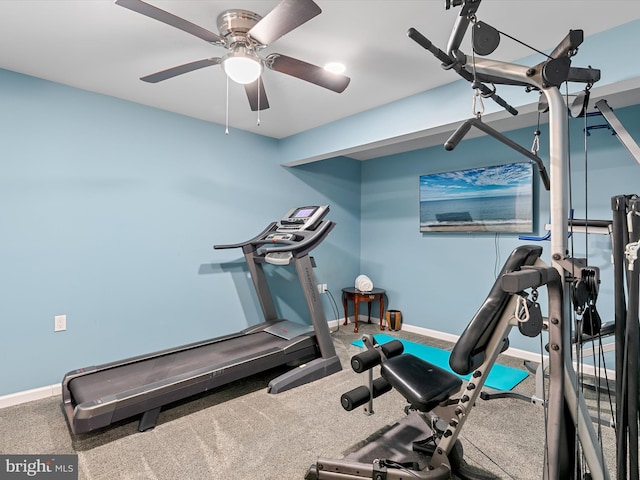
{"x":112,"y":381}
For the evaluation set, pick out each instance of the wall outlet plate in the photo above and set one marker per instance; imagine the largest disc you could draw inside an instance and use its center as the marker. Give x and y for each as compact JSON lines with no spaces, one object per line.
{"x":59,"y":323}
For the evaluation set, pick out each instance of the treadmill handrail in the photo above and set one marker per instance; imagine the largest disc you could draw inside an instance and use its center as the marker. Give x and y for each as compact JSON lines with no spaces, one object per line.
{"x":272,"y":241}
{"x":253,"y":241}
{"x":310,"y":238}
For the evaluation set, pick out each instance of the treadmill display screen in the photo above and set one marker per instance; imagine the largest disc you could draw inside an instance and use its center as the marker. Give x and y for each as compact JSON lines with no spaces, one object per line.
{"x":304,"y":212}
{"x":302,"y":218}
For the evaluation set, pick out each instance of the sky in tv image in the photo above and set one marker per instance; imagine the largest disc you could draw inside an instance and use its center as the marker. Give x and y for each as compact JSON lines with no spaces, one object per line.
{"x":496,"y":181}
{"x":489,"y":199}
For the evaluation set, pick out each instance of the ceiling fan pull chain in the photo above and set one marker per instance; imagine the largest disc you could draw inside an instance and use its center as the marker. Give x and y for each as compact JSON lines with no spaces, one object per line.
{"x":258,"y":122}
{"x":226,"y":120}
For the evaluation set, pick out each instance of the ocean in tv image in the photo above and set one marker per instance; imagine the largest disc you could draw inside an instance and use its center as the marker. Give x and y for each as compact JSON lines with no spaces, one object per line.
{"x":489,"y":199}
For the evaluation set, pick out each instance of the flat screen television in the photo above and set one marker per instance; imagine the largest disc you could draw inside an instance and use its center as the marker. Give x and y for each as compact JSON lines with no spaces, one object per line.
{"x":487,"y":199}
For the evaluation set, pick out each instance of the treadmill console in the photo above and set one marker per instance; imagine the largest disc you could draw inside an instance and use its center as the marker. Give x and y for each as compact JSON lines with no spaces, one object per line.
{"x":300,"y":230}
{"x":302,"y":218}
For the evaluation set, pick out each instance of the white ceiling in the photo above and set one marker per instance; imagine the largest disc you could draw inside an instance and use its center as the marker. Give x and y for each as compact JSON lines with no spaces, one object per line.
{"x":101,"y":47}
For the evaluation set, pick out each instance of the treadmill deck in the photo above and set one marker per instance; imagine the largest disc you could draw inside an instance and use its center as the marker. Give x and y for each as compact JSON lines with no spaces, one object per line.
{"x":109,"y":393}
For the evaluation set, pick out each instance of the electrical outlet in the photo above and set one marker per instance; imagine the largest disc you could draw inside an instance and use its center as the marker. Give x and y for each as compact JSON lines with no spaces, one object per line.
{"x":322,"y":287}
{"x":59,"y":323}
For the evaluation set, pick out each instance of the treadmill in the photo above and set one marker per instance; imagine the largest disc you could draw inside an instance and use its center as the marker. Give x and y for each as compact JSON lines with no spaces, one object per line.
{"x":97,"y":396}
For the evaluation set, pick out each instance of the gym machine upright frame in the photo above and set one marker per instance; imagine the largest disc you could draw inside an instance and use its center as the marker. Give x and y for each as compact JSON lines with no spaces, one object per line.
{"x":545,"y":77}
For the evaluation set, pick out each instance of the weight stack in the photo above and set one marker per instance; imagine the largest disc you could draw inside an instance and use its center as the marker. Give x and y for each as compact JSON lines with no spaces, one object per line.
{"x":394,"y":320}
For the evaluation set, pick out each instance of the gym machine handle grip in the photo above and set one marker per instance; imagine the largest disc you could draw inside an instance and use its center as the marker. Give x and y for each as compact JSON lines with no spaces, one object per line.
{"x":448,"y":62}
{"x":457,"y":136}
{"x":421,"y":40}
{"x":463,"y":129}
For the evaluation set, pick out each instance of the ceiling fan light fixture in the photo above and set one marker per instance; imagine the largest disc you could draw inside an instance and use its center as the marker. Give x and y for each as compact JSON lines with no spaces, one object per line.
{"x":242,"y":66}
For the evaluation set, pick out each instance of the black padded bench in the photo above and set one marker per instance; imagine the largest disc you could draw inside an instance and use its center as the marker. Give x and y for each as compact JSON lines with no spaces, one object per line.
{"x":425,"y":385}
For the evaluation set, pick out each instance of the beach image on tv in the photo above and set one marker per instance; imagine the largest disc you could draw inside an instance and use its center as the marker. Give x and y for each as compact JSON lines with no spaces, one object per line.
{"x":488,"y":199}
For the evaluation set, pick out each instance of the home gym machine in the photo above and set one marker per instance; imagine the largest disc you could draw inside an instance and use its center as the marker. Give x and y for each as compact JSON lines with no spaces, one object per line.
{"x":570,"y":437}
{"x":95,"y":397}
{"x":438,"y":408}
{"x":590,"y":331}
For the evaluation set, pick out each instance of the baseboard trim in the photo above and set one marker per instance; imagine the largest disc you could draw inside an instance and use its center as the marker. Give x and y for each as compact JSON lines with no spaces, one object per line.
{"x":524,"y":355}
{"x":447,"y":337}
{"x":30,"y":395}
{"x":56,"y":390}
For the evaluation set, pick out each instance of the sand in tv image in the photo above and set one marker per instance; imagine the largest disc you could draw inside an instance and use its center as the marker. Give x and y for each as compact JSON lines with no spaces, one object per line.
{"x":488,"y":199}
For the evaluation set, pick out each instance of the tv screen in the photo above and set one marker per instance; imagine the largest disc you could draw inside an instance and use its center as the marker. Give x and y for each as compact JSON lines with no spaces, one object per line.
{"x":488,"y":199}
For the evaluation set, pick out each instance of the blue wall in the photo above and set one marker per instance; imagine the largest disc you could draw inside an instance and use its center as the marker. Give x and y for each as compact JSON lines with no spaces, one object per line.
{"x":451,"y":103}
{"x":109,"y":213}
{"x":439,"y":280}
{"x":110,"y":209}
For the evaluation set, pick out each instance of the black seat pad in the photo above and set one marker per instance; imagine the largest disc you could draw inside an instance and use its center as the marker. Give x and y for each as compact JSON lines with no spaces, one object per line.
{"x":423,"y":384}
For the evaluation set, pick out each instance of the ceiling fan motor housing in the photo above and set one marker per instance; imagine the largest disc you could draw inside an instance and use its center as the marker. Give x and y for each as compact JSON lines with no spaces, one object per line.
{"x":234,"y":25}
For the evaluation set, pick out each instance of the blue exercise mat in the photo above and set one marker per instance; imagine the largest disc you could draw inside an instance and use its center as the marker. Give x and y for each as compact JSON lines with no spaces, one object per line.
{"x":500,"y":377}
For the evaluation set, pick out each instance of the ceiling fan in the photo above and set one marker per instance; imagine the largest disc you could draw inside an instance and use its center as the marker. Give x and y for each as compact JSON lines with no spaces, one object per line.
{"x":244,"y":34}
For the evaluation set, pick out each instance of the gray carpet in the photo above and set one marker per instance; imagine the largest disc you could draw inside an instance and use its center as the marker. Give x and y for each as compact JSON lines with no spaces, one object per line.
{"x":240,"y":432}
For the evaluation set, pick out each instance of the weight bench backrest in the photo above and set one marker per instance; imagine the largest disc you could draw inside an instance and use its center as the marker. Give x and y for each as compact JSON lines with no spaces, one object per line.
{"x":469,"y":351}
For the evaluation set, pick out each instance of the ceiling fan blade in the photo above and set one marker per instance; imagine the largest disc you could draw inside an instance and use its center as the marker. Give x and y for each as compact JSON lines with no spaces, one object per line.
{"x":170,"y":19}
{"x":308,"y":72}
{"x":180,"y":69}
{"x":286,"y":16}
{"x":253,"y":90}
